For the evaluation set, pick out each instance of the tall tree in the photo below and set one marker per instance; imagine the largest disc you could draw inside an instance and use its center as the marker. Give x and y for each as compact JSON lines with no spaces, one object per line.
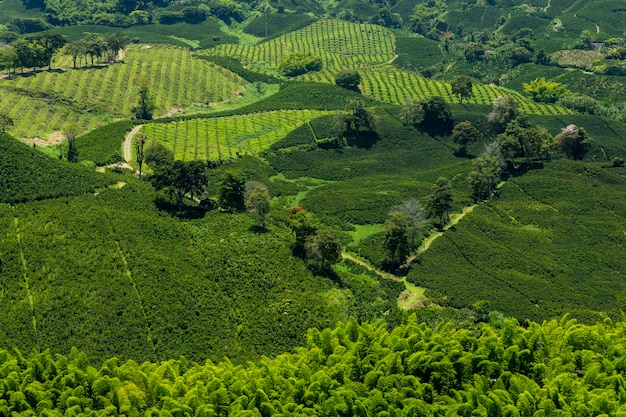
{"x":436,"y":111}
{"x":75,"y":50}
{"x":323,"y":249}
{"x":440,"y":201}
{"x":412,"y":112}
{"x":397,"y":240}
{"x":358,"y":117}
{"x":145,"y":102}
{"x":50,"y":43}
{"x":257,"y":200}
{"x":303,"y":224}
{"x":414,"y":212}
{"x":462,"y":87}
{"x":180,"y":179}
{"x":70,"y":133}
{"x":140,"y":142}
{"x":232,"y":193}
{"x":504,"y":109}
{"x":463,"y":134}
{"x":8,"y":57}
{"x":573,"y":141}
{"x":485,"y":176}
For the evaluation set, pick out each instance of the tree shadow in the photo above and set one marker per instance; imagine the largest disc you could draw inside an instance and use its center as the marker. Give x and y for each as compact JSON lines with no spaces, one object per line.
{"x":363,"y":139}
{"x":186,"y":212}
{"x":258,"y":229}
{"x":437,"y":128}
{"x":520,"y":169}
{"x":460,"y":153}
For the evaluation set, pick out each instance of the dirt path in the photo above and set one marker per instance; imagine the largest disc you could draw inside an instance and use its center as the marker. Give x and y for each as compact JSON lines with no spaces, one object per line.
{"x":454,"y":219}
{"x":128,"y":142}
{"x":413,"y":296}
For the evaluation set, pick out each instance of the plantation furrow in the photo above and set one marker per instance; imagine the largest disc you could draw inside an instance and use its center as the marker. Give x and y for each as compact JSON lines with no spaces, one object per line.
{"x":129,"y":275}
{"x":29,"y":295}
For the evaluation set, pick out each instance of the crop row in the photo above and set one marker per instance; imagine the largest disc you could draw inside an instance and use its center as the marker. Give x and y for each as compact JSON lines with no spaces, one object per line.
{"x":551,"y":243}
{"x":394,"y":86}
{"x":338,"y":43}
{"x":225,"y":137}
{"x":176,"y":79}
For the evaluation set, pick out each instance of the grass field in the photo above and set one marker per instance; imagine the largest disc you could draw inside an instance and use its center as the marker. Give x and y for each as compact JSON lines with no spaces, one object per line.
{"x":226,"y":137}
{"x":49,"y":101}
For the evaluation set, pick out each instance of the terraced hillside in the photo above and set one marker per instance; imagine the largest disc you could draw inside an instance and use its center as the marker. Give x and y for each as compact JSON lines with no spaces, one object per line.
{"x":49,"y":101}
{"x":343,"y":45}
{"x":339,"y":44}
{"x":226,"y":137}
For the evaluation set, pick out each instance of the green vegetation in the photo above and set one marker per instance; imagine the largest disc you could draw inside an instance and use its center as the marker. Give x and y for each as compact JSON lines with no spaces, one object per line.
{"x":550,"y":243}
{"x":89,"y":96}
{"x":500,"y":369}
{"x":310,"y":163}
{"x":226,"y":137}
{"x":28,"y":175}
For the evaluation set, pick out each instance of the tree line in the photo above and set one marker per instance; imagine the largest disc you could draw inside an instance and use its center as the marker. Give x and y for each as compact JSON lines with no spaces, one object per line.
{"x":38,"y":51}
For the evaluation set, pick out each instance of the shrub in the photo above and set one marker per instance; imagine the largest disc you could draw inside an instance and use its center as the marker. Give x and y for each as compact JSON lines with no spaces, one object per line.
{"x":299,"y":63}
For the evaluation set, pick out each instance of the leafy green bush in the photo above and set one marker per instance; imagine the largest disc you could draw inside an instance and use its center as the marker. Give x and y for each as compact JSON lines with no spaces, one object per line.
{"x":299,"y":63}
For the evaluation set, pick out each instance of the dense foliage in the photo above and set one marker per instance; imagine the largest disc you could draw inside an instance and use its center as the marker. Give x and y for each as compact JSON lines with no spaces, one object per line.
{"x":554,"y":368}
{"x":28,"y":175}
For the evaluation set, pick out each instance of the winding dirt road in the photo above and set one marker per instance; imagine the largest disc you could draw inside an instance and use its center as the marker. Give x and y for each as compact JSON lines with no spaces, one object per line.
{"x":128,"y":142}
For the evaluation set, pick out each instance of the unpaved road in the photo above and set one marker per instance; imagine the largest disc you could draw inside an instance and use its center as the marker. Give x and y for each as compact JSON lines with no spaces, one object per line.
{"x":128,"y":142}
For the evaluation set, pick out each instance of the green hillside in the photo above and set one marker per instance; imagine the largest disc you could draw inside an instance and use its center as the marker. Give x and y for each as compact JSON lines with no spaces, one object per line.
{"x":29,"y":175}
{"x":324,"y":166}
{"x":48,"y":102}
{"x":551,"y":243}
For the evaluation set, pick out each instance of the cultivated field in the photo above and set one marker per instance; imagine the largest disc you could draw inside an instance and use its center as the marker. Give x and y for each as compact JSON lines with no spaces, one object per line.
{"x":49,"y":101}
{"x":226,"y":137}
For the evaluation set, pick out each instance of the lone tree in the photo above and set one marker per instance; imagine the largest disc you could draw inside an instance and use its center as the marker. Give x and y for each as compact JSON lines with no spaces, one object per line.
{"x":437,"y":117}
{"x":412,"y":112}
{"x":462,"y":87}
{"x":504,"y":109}
{"x":414,"y":212}
{"x":257,"y":199}
{"x":358,"y":118}
{"x":140,"y":142}
{"x":463,"y":134}
{"x":303,"y":224}
{"x":232,"y":193}
{"x":397,"y":240}
{"x":72,"y":152}
{"x":323,"y":249}
{"x":145,"y":103}
{"x":440,"y":201}
{"x":573,"y":141}
{"x":486,"y":173}
{"x":349,"y":79}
